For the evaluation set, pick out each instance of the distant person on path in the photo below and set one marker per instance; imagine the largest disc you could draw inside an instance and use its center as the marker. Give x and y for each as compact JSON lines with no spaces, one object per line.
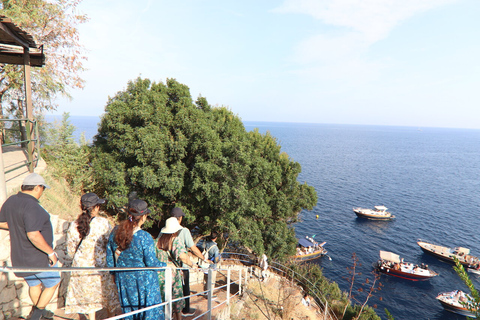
{"x":31,"y":240}
{"x":170,"y":249}
{"x":129,"y":246}
{"x":209,"y":248}
{"x":87,"y":237}
{"x":186,"y":239}
{"x":264,"y":267}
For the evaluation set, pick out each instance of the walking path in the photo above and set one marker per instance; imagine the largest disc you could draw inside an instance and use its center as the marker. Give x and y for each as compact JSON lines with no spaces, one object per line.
{"x":14,"y":156}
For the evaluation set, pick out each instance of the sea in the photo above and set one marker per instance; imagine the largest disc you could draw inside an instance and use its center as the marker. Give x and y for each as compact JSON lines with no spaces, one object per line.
{"x":429,"y":178}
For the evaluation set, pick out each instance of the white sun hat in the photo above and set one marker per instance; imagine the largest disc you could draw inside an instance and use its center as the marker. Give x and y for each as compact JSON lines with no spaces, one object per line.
{"x":171,"y":226}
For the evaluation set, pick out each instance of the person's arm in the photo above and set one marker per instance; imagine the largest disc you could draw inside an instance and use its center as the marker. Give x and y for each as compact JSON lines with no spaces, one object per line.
{"x":39,"y":242}
{"x":4,"y":225}
{"x":187,"y":239}
{"x":185,"y":259}
{"x":197,"y":252}
{"x":216,"y":254}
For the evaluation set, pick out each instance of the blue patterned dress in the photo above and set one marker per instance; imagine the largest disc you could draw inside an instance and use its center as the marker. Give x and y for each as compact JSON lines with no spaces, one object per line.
{"x":137,"y":289}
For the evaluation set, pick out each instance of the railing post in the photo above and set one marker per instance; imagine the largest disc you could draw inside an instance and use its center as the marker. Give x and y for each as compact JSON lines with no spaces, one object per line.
{"x":209,"y":293}
{"x":240,"y":281}
{"x":30,"y":147}
{"x":3,"y":182}
{"x":37,"y":138}
{"x":228,"y":286}
{"x":168,"y":293}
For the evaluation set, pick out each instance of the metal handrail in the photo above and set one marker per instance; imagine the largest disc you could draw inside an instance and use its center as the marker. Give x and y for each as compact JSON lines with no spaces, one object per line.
{"x":168,"y":286}
{"x":33,"y":143}
{"x":168,"y":280}
{"x":322,"y":303}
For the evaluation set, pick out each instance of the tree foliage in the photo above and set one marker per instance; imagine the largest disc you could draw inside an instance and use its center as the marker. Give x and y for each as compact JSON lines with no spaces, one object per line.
{"x":52,"y":24}
{"x":70,"y":159}
{"x":155,"y":140}
{"x":472,"y":305}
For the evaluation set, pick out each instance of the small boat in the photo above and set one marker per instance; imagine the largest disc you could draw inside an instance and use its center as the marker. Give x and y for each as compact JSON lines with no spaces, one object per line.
{"x":452,"y":301}
{"x":463,"y":255}
{"x":379,"y":213}
{"x":391,"y":264}
{"x":309,"y":249}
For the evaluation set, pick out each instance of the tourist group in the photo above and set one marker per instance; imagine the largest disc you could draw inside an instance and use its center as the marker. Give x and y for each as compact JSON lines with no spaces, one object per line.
{"x":92,"y":243}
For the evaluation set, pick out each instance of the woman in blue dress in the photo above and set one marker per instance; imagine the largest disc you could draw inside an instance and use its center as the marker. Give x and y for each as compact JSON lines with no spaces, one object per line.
{"x":129,"y":246}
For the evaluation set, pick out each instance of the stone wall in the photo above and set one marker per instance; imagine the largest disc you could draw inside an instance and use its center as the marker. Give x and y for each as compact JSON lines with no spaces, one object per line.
{"x":14,"y":298}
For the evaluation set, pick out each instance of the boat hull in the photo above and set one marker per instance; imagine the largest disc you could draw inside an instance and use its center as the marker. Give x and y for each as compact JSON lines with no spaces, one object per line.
{"x":458,"y":310}
{"x":449,"y":305}
{"x":404,"y":275}
{"x":373,"y":216}
{"x":308,"y":257}
{"x":445,"y":254}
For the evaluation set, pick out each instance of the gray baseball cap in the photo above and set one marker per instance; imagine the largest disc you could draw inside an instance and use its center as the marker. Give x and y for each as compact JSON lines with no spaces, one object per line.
{"x":34,"y":179}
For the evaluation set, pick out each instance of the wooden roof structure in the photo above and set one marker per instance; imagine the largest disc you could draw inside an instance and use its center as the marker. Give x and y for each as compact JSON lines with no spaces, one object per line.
{"x":14,"y":42}
{"x":18,"y":47}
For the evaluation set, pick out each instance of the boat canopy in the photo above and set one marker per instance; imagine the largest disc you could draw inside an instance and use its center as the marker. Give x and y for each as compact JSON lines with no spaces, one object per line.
{"x":390,"y":256}
{"x":381,"y":208}
{"x":462,"y":250}
{"x":305,"y":243}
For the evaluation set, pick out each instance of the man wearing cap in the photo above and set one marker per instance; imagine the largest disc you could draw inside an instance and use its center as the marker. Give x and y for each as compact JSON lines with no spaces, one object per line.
{"x":31,"y":242}
{"x":186,"y":238}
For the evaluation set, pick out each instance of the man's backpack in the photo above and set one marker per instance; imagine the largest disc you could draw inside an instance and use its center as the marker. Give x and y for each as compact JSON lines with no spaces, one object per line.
{"x":206,"y":252}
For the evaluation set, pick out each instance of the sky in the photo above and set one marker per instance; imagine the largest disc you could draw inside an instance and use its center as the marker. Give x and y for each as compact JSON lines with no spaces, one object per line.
{"x":367,"y":62}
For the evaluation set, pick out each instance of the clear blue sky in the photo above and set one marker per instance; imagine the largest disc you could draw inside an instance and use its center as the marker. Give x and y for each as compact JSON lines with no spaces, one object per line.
{"x":388,"y":62}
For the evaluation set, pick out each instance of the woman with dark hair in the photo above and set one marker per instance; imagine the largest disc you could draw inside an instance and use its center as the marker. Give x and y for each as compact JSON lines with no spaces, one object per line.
{"x":129,"y":246}
{"x":169,"y":248}
{"x":90,"y":291}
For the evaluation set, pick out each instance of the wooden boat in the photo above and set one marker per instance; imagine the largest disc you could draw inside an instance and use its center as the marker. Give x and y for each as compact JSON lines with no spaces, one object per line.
{"x":452,"y":301}
{"x":391,"y":264}
{"x":378,"y":213}
{"x":309,"y":249}
{"x":470,"y":262}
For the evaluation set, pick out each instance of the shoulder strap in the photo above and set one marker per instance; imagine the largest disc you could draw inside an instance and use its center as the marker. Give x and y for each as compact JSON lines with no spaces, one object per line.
{"x":175,"y":262}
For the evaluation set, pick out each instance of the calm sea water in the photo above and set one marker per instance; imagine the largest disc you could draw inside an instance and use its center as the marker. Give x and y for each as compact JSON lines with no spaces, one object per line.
{"x":428,"y":177}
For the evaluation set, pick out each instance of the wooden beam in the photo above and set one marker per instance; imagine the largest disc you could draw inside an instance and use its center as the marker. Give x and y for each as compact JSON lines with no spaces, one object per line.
{"x":9,"y":58}
{"x":13,"y":36}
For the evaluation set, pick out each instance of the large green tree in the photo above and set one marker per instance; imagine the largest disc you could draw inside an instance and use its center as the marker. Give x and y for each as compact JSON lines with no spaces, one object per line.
{"x":53,"y":24}
{"x":155,"y":140}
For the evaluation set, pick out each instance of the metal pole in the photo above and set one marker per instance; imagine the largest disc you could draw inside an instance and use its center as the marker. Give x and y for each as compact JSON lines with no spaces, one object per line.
{"x":228,"y":286}
{"x":210,"y":294}
{"x":3,"y":182}
{"x":168,"y":293}
{"x":37,"y":135}
{"x":240,"y":281}
{"x":28,"y":99}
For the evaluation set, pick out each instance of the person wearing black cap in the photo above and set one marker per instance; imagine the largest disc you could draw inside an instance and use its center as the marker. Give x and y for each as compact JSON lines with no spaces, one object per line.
{"x":129,"y":246}
{"x":31,"y":241}
{"x":87,"y":240}
{"x":186,"y":239}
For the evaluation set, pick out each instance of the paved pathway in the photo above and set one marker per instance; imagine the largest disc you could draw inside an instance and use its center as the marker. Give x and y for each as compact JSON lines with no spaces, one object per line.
{"x":13,"y":157}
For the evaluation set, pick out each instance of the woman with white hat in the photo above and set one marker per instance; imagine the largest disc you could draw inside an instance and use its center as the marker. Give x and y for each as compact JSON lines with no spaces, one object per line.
{"x":169,"y":248}
{"x":129,"y":246}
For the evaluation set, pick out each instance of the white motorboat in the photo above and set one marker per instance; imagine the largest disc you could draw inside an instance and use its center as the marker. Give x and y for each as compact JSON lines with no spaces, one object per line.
{"x":378,"y":213}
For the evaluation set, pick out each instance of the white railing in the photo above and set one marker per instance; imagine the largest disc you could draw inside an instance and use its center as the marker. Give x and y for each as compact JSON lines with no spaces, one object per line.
{"x":322,"y":302}
{"x":168,"y":286}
